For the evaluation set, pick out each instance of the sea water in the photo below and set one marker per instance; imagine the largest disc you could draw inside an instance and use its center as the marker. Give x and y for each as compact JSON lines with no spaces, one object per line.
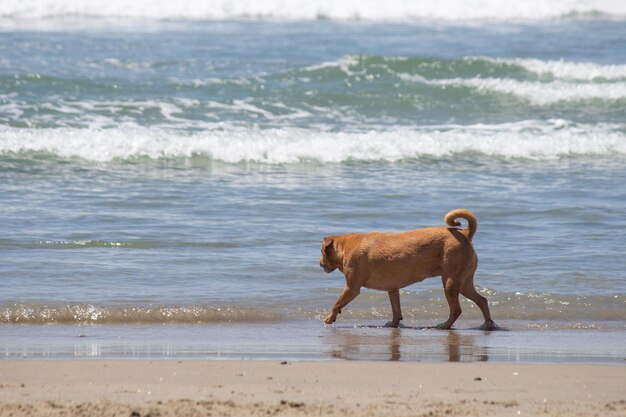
{"x":169,"y":170}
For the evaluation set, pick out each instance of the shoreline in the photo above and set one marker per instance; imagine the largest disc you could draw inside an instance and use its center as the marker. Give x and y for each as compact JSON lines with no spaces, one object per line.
{"x":307,"y":388}
{"x":309,"y":340}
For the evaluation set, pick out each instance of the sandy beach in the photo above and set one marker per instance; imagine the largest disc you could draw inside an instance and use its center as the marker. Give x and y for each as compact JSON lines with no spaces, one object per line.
{"x":344,"y":388}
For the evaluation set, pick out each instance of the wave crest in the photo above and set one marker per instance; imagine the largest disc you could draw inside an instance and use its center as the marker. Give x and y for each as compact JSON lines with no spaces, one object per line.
{"x":394,"y":10}
{"x":379,"y":90}
{"x":531,"y":139}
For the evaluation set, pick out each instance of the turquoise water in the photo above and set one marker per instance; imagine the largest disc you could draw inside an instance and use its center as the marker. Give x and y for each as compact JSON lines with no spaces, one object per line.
{"x":176,"y":173}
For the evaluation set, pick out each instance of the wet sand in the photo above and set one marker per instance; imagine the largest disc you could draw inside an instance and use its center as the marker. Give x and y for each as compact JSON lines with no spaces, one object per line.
{"x":343,"y":388}
{"x":311,"y":341}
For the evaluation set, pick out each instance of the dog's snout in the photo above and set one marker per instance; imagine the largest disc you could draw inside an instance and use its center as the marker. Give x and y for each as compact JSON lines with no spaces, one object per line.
{"x":327,"y":268}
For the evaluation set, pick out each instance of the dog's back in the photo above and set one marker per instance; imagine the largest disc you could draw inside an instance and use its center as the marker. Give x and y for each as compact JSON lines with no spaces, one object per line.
{"x":395,"y":260}
{"x":386,"y":260}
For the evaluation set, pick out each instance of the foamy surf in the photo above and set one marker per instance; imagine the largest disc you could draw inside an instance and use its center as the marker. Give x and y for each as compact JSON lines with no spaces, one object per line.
{"x":476,"y":65}
{"x":88,"y":313}
{"x":394,"y":10}
{"x":538,"y":93}
{"x":537,"y":140}
{"x":374,"y":90}
{"x":540,"y":82}
{"x":567,"y":70}
{"x":426,"y":306}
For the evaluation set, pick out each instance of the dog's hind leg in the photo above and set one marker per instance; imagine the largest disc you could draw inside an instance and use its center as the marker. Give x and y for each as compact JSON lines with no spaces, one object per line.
{"x":451,"y":288}
{"x":394,"y":297}
{"x":469,"y":291}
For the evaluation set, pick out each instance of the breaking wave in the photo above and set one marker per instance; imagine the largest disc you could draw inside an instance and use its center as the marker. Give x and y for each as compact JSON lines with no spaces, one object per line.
{"x":371,"y":10}
{"x":375,"y":91}
{"x":531,"y":139}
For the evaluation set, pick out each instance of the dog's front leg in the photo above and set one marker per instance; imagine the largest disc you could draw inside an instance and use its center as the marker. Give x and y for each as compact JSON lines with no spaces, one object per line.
{"x":348,"y":294}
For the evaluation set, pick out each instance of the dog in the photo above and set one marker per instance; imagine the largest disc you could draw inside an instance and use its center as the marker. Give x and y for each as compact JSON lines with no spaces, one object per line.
{"x":390,"y":261}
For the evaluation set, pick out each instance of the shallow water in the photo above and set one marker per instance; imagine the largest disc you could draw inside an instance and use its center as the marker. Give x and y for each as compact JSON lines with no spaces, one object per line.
{"x":177,"y":173}
{"x":307,"y":340}
{"x":211,"y":244}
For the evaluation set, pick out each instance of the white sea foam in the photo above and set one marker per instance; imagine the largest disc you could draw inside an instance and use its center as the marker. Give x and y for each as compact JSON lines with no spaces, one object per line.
{"x":450,"y":10}
{"x":569,"y":81}
{"x":558,"y":69}
{"x":538,"y":93}
{"x":531,"y":139}
{"x":542,"y":93}
{"x":584,"y":71}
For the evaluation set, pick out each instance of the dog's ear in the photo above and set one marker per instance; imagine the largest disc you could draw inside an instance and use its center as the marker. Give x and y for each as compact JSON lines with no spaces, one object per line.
{"x":328,"y":244}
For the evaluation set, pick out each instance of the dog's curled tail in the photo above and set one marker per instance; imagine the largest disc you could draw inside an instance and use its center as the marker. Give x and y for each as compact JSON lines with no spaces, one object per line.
{"x":472,"y":223}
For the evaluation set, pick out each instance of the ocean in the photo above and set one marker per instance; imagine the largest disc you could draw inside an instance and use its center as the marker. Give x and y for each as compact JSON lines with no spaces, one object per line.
{"x":168,"y":172}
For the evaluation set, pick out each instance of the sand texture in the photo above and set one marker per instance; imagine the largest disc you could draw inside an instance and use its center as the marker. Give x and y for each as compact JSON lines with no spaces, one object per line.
{"x":141,"y":388}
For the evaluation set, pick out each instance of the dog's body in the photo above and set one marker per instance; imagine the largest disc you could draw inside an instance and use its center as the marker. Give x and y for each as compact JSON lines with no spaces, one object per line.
{"x":390,"y":261}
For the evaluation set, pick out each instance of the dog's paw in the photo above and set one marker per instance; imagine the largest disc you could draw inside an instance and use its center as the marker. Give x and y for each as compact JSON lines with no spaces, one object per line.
{"x":392,"y":324}
{"x":330,"y":319}
{"x":489,"y":325}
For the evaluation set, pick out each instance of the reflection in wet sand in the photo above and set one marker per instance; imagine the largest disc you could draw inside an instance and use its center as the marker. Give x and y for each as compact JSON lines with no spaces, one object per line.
{"x":308,"y":340}
{"x":407,"y":344}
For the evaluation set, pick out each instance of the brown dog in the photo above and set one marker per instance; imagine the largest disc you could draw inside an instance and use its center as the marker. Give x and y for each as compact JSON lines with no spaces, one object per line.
{"x":390,"y":261}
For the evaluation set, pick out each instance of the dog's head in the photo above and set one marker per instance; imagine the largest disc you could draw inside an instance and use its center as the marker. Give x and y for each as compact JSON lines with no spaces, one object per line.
{"x":328,"y":260}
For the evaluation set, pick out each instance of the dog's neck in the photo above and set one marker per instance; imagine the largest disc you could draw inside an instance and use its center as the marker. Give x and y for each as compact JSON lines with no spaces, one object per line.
{"x":338,"y":247}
